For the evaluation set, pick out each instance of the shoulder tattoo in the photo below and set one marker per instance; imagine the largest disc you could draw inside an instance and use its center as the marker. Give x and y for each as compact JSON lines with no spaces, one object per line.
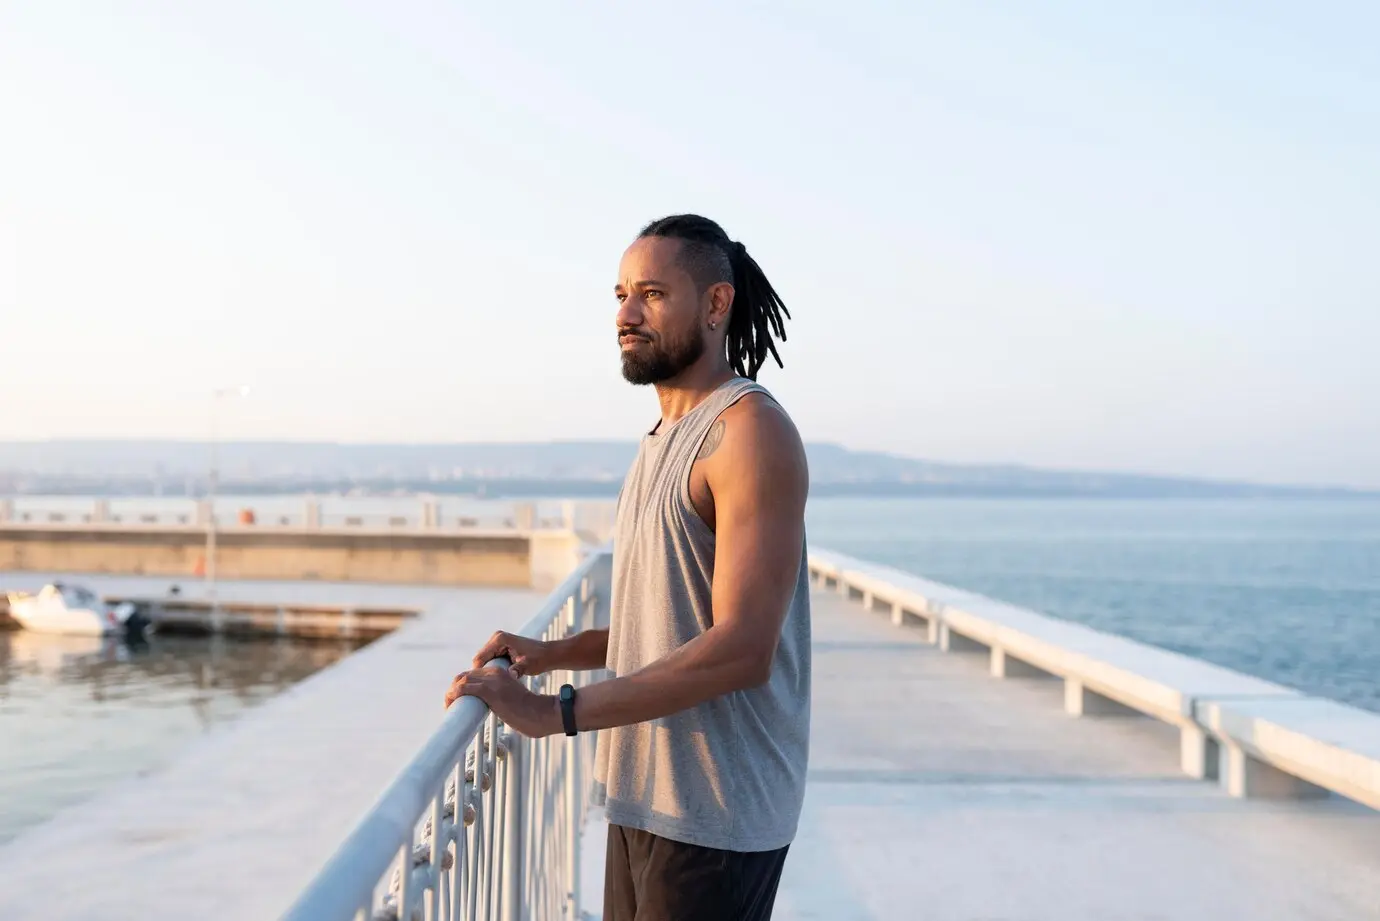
{"x":712,"y":440}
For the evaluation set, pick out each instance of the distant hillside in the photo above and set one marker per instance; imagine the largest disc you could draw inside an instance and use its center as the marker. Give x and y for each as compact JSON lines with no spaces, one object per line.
{"x":572,"y":467}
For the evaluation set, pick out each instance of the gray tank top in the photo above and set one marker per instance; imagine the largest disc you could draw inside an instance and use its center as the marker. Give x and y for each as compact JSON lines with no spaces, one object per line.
{"x":729,"y":773}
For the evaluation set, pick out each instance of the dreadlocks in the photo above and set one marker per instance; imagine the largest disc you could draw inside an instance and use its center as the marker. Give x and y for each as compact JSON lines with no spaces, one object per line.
{"x":711,"y":257}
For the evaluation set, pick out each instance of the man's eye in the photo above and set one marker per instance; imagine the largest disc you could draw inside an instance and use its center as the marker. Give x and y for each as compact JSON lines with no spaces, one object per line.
{"x":620,"y":297}
{"x":653,"y":293}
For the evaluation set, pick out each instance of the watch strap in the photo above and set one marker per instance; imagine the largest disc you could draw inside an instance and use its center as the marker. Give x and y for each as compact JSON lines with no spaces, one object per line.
{"x":567,"y":698}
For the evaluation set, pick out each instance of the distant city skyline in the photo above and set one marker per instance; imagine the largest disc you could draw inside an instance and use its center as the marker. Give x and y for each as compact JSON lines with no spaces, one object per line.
{"x":1123,"y":238}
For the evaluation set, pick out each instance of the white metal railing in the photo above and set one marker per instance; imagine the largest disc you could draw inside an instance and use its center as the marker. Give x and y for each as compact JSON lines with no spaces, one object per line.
{"x":483,"y":824}
{"x":302,"y":513}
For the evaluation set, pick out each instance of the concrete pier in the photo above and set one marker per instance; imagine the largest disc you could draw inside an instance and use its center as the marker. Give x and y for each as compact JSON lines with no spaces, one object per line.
{"x":939,"y":792}
{"x":970,"y":759}
{"x":512,"y":558}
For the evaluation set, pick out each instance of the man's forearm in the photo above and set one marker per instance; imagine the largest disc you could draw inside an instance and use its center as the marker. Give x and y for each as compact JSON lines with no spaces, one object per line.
{"x":711,"y":665}
{"x":582,"y":652}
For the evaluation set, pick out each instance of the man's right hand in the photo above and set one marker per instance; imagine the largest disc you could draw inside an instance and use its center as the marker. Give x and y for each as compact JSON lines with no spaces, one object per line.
{"x":529,"y":656}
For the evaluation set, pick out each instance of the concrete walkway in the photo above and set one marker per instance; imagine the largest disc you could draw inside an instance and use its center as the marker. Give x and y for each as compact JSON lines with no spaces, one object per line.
{"x":939,"y":793}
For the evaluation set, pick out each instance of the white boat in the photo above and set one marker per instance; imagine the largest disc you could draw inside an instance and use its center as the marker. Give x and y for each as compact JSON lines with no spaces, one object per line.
{"x":71,"y":609}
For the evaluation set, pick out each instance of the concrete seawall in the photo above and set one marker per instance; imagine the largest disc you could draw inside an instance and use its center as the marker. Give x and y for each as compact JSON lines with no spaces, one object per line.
{"x":462,"y":557}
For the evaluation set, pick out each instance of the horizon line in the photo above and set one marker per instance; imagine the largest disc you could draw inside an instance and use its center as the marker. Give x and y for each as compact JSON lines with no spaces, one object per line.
{"x":632,"y":443}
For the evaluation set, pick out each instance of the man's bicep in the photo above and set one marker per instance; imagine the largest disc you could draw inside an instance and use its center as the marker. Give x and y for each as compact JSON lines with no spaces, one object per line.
{"x":759,"y":501}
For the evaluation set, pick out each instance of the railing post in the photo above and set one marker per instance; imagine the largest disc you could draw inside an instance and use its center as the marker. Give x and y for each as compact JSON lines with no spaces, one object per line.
{"x":573,"y":790}
{"x":574,"y":785}
{"x":511,"y":907}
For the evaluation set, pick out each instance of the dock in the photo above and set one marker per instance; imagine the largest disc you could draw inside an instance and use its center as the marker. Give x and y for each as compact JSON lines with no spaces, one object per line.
{"x":969,"y":760}
{"x":189,"y":612}
{"x":303,"y":621}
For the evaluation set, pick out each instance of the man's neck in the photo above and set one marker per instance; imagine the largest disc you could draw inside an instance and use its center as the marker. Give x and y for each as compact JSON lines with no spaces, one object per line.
{"x":686,"y":391}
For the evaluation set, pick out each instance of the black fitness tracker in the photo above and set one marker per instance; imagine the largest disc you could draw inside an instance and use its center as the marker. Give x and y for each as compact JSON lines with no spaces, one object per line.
{"x":568,"y":709}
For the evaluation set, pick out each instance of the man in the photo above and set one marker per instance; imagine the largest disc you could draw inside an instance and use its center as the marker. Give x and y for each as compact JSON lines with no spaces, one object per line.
{"x":705,"y":728}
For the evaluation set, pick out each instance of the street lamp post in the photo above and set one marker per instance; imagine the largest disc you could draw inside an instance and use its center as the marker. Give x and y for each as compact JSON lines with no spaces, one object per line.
{"x":213,"y":481}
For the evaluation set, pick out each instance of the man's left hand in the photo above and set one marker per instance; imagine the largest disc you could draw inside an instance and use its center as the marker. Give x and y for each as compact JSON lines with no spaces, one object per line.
{"x":533,"y":715}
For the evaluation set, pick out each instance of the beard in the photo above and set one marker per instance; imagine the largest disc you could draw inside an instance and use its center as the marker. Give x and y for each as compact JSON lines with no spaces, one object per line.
{"x":659,"y":361}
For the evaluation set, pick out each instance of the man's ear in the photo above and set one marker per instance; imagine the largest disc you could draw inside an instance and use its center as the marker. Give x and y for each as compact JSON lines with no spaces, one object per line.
{"x":720,"y":304}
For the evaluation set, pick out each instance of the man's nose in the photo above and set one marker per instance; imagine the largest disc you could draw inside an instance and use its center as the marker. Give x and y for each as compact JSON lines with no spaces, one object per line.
{"x":629,"y":313}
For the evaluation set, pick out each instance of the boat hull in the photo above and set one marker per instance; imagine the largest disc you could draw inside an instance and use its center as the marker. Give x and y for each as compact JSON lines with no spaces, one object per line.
{"x":33,"y":614}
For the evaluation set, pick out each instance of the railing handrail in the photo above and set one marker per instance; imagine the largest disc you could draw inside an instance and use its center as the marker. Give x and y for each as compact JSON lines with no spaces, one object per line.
{"x":349,"y":877}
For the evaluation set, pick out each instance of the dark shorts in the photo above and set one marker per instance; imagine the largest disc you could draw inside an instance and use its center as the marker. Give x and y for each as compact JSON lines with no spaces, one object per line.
{"x":649,"y":878}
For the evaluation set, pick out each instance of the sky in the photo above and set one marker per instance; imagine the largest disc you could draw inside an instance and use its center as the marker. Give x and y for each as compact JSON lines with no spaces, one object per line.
{"x":1138,"y":236}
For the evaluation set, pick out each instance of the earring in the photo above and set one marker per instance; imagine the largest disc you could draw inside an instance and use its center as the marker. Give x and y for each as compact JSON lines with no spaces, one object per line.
{"x":711,"y":325}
